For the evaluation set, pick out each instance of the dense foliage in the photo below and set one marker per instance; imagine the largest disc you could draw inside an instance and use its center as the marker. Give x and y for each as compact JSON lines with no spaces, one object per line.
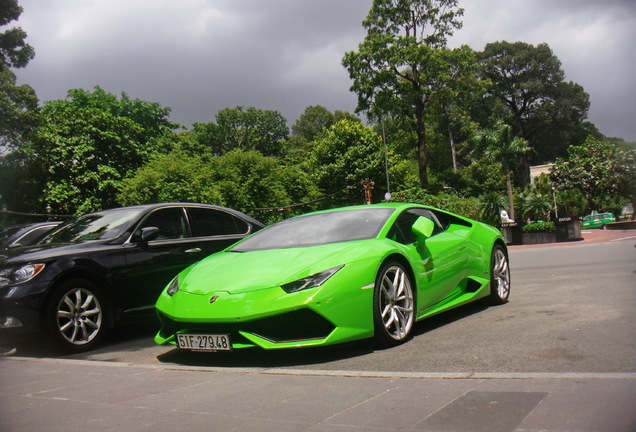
{"x":85,"y":146}
{"x":451,"y":128}
{"x":602,"y":171}
{"x":18,"y":103}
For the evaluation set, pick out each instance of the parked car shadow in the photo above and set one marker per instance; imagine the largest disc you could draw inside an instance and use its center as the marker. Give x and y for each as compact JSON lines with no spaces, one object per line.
{"x":139,"y":337}
{"x":131,"y":337}
{"x":257,"y":358}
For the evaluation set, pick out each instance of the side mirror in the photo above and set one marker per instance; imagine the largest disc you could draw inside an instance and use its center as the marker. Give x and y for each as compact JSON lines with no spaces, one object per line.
{"x":423,"y":228}
{"x":146,"y":235}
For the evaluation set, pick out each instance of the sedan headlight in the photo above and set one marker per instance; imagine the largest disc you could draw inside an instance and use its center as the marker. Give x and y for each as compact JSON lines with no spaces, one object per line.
{"x":18,"y":275}
{"x":311,"y":281}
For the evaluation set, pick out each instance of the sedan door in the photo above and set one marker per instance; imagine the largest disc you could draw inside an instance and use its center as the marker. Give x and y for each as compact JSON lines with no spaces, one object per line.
{"x":186,"y":235}
{"x":152,"y":265}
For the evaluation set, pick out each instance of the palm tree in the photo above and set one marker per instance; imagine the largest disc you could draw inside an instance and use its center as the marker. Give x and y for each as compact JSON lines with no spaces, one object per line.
{"x":490,"y":205}
{"x":500,"y":145}
{"x":535,"y":205}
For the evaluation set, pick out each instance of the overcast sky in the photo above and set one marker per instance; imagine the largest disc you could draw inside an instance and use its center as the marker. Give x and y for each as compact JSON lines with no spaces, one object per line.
{"x":200,"y":56}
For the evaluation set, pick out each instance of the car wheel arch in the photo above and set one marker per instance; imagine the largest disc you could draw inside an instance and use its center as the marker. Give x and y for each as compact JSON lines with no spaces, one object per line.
{"x":388,"y":333}
{"x":89,"y":276}
{"x":500,"y":242}
{"x":402,"y":260}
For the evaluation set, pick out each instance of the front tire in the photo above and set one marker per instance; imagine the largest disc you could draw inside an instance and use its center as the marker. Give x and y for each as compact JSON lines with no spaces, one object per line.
{"x":499,"y":276}
{"x":75,"y":316}
{"x":393,"y":305}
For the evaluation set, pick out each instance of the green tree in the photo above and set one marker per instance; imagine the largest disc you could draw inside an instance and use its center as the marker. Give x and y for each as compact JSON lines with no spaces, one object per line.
{"x":559,"y":123}
{"x":522,"y":76}
{"x":211,"y":136}
{"x":244,"y":180}
{"x":315,"y":119}
{"x":245,"y":129}
{"x":468,"y":207}
{"x":601,"y":170}
{"x":536,"y":205}
{"x":88,"y":143}
{"x":452,"y":103}
{"x":572,"y":202}
{"x":528,"y":88}
{"x":348,"y":154}
{"x":500,"y":145}
{"x":310,"y":126}
{"x":18,"y":104}
{"x":21,"y":182}
{"x":172,"y":177}
{"x":249,"y":181}
{"x":490,"y":205}
{"x":403,"y":62}
{"x":475,"y":179}
{"x":312,"y":122}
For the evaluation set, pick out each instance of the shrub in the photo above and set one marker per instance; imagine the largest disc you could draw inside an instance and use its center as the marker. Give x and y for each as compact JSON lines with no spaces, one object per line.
{"x":467,"y":207}
{"x":536,"y":227}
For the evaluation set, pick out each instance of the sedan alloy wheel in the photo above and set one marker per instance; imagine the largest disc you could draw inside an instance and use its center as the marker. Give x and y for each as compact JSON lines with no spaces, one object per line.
{"x":76,"y":315}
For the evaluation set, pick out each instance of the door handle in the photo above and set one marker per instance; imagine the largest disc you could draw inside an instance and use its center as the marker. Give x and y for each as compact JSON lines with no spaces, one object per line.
{"x":193,"y":250}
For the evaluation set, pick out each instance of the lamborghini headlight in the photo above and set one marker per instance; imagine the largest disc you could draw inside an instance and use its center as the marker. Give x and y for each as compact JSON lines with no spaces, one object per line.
{"x":173,"y":287}
{"x":18,"y":275}
{"x":311,"y":281}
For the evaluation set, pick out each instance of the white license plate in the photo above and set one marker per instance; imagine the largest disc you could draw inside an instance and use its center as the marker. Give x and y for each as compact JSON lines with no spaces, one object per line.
{"x":204,"y":342}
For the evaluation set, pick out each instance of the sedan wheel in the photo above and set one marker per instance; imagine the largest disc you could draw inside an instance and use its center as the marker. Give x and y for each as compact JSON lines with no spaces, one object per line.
{"x":76,"y":315}
{"x":393,"y":308}
{"x":499,"y":276}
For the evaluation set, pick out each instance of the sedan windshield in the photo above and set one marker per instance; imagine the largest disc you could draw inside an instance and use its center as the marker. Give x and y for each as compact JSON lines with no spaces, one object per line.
{"x":6,"y":233}
{"x":94,"y":226}
{"x":318,"y":229}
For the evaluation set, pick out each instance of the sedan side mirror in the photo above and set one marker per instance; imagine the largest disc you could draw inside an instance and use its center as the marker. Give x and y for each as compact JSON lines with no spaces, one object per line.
{"x":146,"y":235}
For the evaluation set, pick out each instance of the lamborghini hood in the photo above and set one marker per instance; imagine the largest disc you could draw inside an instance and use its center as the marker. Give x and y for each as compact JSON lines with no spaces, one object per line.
{"x":240,"y":272}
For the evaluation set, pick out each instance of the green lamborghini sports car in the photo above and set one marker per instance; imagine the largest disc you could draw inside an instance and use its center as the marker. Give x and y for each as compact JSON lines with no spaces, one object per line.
{"x":335,"y":276}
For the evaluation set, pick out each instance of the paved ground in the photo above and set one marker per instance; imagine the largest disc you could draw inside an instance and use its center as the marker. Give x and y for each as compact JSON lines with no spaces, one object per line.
{"x":73,"y":395}
{"x":40,"y":394}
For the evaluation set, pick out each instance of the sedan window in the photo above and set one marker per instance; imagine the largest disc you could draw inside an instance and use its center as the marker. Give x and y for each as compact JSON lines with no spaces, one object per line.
{"x":93,"y":226}
{"x":210,"y":222}
{"x":33,"y":235}
{"x":171,"y":222}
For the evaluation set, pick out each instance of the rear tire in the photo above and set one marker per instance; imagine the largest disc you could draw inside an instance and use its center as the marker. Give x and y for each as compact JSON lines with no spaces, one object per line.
{"x":499,"y":276}
{"x":76,"y":315}
{"x":393,"y":305}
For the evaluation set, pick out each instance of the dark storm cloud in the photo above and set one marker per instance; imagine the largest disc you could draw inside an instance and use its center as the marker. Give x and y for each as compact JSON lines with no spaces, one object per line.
{"x":200,"y":56}
{"x":195,"y":56}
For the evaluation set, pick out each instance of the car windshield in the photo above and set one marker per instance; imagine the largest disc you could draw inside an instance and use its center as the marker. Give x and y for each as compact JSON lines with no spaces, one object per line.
{"x":318,"y":229}
{"x":6,"y":233}
{"x":94,"y":226}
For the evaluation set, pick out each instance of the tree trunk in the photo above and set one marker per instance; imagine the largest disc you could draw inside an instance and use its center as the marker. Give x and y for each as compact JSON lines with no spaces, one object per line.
{"x":451,"y":138}
{"x":511,"y":204}
{"x":423,"y":163}
{"x":421,"y":143}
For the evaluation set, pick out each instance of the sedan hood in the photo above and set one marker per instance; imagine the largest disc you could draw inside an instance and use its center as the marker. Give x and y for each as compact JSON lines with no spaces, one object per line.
{"x":239,"y":272}
{"x":45,"y":252}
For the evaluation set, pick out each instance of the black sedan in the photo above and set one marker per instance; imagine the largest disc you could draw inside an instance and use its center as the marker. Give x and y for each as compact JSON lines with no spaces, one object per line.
{"x":93,"y":271}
